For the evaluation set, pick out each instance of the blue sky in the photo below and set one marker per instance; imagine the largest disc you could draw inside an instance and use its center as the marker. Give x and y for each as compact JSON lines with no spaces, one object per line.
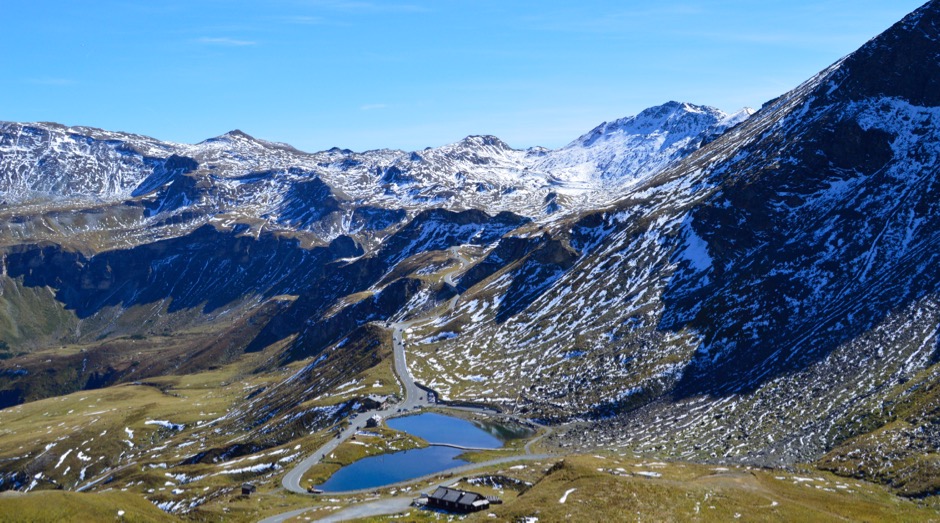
{"x":409,"y":74}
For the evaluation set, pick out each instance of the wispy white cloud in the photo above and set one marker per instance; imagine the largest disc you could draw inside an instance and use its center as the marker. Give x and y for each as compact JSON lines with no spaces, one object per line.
{"x":51,"y":81}
{"x":372,"y":107}
{"x":225,"y":41}
{"x":304,"y":20}
{"x":366,"y":7}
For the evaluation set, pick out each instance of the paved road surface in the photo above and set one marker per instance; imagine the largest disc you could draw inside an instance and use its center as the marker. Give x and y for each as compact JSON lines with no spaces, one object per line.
{"x":373,"y":508}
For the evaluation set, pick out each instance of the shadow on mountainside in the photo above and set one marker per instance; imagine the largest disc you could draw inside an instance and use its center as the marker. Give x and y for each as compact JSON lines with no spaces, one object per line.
{"x":211,"y":269}
{"x":827,"y":223}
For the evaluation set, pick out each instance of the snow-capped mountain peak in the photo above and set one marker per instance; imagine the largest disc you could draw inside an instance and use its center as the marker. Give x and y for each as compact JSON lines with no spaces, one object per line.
{"x":628,"y":150}
{"x":737,"y":117}
{"x":238,"y":140}
{"x":233,"y":135}
{"x":484,"y":141}
{"x":479,"y":171}
{"x":669,"y":118}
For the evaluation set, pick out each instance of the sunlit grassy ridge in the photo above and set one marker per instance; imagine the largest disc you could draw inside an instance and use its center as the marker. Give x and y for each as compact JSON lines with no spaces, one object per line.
{"x":614,"y":488}
{"x":187,"y":442}
{"x":72,"y":507}
{"x":618,"y":489}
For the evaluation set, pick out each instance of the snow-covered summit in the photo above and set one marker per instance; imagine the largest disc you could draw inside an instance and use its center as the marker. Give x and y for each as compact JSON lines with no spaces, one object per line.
{"x":238,"y":139}
{"x":630,"y":149}
{"x":484,"y":141}
{"x":736,"y":118}
{"x":669,"y":118}
{"x":479,"y":171}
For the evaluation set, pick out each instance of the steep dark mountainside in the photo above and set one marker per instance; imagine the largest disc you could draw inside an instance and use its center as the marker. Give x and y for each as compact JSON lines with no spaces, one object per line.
{"x":754,"y":288}
{"x":754,"y":302}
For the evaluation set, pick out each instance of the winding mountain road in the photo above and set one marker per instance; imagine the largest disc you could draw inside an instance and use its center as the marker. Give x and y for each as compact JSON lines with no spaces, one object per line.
{"x":414,"y":398}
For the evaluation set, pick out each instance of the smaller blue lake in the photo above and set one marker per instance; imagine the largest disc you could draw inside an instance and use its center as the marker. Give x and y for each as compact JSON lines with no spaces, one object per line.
{"x":437,"y":428}
{"x":385,"y":469}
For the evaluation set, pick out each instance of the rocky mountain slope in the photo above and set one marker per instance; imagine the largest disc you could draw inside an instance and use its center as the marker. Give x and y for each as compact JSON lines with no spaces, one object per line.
{"x":755,"y":288}
{"x":137,"y":237}
{"x":755,"y":302}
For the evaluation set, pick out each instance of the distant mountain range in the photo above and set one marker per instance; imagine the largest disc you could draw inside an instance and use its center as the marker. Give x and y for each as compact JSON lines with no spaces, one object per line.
{"x":48,"y":162}
{"x":760,"y":288}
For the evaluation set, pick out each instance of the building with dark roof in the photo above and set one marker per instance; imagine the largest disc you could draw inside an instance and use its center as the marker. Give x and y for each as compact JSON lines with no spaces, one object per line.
{"x":453,"y":500}
{"x":375,"y":402}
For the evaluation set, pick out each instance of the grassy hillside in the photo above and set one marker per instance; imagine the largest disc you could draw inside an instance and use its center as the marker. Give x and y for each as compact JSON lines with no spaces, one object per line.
{"x":901,"y":447}
{"x":73,"y":507}
{"x":614,"y":488}
{"x":619,"y":489}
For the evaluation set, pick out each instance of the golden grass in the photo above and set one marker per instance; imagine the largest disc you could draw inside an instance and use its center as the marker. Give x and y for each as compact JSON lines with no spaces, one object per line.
{"x":64,"y":507}
{"x":618,"y":489}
